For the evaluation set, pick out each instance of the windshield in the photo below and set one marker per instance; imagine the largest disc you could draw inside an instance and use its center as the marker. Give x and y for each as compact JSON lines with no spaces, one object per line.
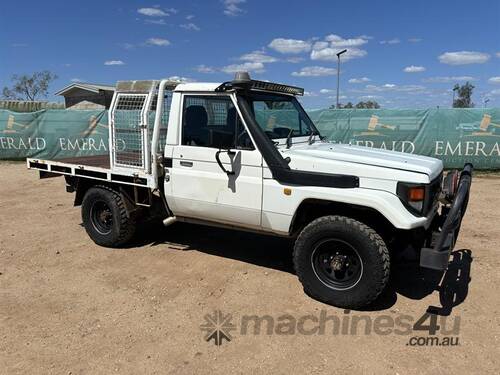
{"x":280,"y":115}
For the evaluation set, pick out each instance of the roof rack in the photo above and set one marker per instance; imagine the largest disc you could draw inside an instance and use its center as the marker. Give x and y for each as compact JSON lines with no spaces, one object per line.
{"x":242,"y":81}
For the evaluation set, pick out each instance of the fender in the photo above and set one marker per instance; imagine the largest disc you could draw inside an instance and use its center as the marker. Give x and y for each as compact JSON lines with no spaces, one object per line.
{"x":278,"y":209}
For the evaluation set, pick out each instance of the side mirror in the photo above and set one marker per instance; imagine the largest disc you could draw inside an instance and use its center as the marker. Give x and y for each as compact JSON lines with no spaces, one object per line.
{"x":217,"y":158}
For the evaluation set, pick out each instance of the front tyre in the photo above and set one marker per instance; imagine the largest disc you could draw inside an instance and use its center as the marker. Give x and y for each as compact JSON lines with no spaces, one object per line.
{"x":341,"y":261}
{"x":105,"y":217}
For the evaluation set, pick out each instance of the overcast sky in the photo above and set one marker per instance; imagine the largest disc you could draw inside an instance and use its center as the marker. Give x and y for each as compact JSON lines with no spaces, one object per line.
{"x":403,"y":54}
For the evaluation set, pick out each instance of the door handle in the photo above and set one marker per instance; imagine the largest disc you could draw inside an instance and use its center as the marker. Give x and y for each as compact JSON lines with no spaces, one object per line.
{"x":186,"y":163}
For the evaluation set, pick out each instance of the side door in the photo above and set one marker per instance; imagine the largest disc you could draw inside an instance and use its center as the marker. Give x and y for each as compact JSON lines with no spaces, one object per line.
{"x":216,"y":172}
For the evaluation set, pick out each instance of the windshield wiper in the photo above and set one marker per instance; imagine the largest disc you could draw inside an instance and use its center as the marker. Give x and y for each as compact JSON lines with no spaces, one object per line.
{"x":311,"y":136}
{"x":289,"y":139}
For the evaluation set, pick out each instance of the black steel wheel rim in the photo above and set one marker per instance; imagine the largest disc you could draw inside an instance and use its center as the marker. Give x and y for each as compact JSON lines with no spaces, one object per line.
{"x":337,"y":264}
{"x":101,"y":217}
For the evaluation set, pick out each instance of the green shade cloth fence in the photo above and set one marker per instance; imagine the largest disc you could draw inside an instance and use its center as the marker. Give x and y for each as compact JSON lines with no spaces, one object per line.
{"x":455,"y":136}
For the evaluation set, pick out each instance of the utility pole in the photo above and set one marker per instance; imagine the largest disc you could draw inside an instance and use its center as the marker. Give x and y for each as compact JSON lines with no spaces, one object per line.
{"x":485,"y":102}
{"x":338,"y":75}
{"x":455,"y":88}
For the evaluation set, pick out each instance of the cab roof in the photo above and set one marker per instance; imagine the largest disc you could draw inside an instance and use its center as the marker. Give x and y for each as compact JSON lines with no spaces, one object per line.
{"x":197,"y":86}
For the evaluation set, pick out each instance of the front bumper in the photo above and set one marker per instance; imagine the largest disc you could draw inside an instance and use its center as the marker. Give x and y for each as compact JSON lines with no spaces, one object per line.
{"x":445,"y":235}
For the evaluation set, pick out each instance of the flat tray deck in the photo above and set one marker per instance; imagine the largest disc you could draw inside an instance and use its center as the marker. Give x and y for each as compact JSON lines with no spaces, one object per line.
{"x":101,"y":161}
{"x":96,"y":167}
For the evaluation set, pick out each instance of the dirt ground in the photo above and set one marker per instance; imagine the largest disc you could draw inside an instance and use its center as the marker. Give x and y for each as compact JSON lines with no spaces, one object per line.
{"x":68,"y":306}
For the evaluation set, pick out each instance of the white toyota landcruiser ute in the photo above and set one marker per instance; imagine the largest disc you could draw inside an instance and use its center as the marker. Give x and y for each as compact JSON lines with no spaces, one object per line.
{"x":245,"y":155}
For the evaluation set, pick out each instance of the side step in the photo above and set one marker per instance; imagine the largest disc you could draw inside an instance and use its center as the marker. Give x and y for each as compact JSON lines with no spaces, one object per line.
{"x":169,"y":220}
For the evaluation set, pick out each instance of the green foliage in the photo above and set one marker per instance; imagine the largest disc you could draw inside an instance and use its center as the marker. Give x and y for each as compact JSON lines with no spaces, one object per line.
{"x":29,"y":88}
{"x":464,"y":96}
{"x":370,"y":104}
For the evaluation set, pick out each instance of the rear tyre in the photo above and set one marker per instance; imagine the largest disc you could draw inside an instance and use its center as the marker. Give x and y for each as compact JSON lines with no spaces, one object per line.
{"x":105,"y":217}
{"x":341,"y":261}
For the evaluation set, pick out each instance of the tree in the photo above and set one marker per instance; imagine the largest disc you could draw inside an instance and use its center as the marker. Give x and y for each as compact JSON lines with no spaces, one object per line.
{"x":464,"y":96}
{"x":370,"y":104}
{"x":29,"y":88}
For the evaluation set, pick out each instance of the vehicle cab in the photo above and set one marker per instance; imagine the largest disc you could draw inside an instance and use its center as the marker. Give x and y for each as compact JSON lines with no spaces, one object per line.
{"x":234,"y":150}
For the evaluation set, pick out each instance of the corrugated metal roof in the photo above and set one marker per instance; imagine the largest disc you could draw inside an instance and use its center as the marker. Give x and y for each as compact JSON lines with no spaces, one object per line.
{"x":93,"y":87}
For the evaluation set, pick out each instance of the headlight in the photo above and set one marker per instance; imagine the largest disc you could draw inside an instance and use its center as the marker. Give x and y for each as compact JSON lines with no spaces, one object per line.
{"x":412,"y":196}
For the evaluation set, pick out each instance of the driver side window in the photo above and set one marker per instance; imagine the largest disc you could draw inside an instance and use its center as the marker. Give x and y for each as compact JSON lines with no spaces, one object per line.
{"x":212,"y":121}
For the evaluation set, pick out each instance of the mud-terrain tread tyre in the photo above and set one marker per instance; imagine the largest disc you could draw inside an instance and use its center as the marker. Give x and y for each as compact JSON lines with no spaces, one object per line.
{"x":368,"y":244}
{"x":123,"y":226}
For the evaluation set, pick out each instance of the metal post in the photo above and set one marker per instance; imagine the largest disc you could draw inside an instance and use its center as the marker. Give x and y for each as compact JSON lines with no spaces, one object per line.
{"x":156,"y":131}
{"x":338,"y":75}
{"x":455,"y":88}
